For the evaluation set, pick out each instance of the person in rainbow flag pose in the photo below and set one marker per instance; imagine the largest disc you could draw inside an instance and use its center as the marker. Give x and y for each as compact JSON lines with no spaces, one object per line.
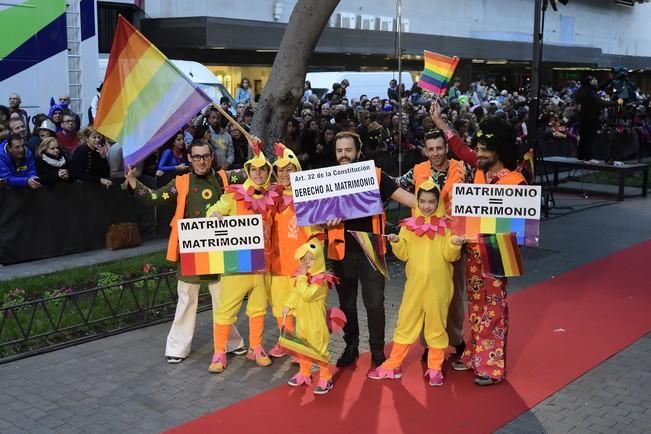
{"x":428,"y":247}
{"x":254,"y":196}
{"x":286,"y":238}
{"x":307,"y":302}
{"x":496,"y":161}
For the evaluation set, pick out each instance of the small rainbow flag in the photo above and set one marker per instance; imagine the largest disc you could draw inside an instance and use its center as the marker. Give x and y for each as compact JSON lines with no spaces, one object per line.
{"x":528,"y":167}
{"x":230,"y":261}
{"x":527,"y":230}
{"x":297,"y":347}
{"x":145,"y":98}
{"x":372,"y":245}
{"x":438,"y":72}
{"x":500,"y":255}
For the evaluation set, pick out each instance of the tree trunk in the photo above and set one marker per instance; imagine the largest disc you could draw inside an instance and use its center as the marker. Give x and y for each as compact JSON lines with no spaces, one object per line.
{"x":285,"y":87}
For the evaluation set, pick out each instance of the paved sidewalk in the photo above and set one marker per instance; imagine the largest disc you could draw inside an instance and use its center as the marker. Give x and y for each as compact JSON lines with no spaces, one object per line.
{"x":122,"y":384}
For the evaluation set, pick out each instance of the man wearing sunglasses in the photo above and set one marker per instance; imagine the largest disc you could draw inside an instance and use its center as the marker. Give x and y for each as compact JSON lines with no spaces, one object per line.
{"x":192,"y":193}
{"x":445,"y":172}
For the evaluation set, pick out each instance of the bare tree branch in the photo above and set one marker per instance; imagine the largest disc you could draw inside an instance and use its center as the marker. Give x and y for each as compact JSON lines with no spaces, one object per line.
{"x":284,"y":89}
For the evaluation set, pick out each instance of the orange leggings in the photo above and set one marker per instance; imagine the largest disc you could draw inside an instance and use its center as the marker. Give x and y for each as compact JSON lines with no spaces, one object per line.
{"x":399,"y":352}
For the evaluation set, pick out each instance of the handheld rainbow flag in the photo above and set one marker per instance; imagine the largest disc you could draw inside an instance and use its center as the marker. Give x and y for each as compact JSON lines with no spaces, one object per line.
{"x":500,"y":255}
{"x":528,"y":167}
{"x":145,"y":99}
{"x":527,"y":230}
{"x":373,"y":247}
{"x":438,"y":72}
{"x":297,"y":347}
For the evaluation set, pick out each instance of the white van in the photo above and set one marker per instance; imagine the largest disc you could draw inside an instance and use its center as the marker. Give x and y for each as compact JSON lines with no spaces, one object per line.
{"x":371,"y":84}
{"x":199,"y":74}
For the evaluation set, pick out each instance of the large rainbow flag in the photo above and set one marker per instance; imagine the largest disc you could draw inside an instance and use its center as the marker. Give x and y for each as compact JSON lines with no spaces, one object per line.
{"x":438,"y":72}
{"x":500,"y":255}
{"x":145,"y":98}
{"x":527,"y":231}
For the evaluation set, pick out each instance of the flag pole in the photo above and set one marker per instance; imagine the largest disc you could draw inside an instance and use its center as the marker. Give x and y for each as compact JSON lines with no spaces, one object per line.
{"x":233,"y":121}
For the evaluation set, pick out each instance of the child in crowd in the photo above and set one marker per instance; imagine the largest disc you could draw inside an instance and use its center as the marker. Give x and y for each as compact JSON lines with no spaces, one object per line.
{"x":307,"y":303}
{"x":427,"y":245}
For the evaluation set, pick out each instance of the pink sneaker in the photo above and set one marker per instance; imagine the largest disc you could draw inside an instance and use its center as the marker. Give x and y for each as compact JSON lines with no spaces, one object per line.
{"x":259,"y":355}
{"x":381,"y":373}
{"x":294,"y":361}
{"x":277,"y":351}
{"x":300,"y":379}
{"x":218,"y":363}
{"x":435,"y":377}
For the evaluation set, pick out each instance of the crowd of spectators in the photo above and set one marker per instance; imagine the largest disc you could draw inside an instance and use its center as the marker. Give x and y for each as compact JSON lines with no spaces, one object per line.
{"x":58,"y":148}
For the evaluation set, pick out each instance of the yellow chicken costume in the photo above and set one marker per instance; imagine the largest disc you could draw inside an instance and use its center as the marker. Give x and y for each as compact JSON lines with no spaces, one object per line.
{"x":307,"y":302}
{"x":426,"y":246}
{"x":245,"y":199}
{"x":286,"y":238}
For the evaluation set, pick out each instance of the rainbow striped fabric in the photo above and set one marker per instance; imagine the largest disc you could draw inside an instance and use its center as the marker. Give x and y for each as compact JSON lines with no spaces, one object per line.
{"x":438,"y":72}
{"x":240,"y":261}
{"x":500,"y":255}
{"x":371,"y":244}
{"x":145,"y":98}
{"x":527,"y":230}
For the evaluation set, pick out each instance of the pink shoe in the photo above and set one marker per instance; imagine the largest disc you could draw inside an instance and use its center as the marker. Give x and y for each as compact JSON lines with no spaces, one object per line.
{"x":218,"y":363}
{"x":381,"y":373}
{"x":435,"y":377}
{"x":259,"y":355}
{"x":294,"y":361}
{"x":300,"y":379}
{"x":277,"y":351}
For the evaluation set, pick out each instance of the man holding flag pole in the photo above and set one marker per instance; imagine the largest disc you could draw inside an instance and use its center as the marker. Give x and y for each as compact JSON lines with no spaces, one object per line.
{"x":496,"y":161}
{"x":145,"y":101}
{"x":351,"y":264}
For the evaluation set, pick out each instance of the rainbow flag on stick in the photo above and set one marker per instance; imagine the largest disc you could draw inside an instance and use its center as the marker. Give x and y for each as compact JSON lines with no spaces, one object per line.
{"x":299,"y":348}
{"x":527,"y":230}
{"x":373,"y":247}
{"x":500,"y":255}
{"x":438,"y":72}
{"x":145,"y":98}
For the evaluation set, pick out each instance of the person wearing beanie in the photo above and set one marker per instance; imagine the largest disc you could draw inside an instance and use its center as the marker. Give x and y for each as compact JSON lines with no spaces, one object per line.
{"x":255,"y":196}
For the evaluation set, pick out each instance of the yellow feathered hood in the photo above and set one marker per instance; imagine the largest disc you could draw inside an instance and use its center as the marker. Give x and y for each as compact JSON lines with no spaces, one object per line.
{"x":258,"y":160}
{"x":430,"y":185}
{"x":285,"y":156}
{"x":314,"y":246}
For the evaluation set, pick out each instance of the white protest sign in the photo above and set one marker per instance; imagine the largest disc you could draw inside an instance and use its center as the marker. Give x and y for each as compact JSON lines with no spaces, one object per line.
{"x":347,"y":191}
{"x":216,"y":235}
{"x":495,"y":200}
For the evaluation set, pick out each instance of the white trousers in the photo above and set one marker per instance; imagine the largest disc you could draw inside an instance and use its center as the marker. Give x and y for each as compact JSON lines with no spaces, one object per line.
{"x":179,"y":339}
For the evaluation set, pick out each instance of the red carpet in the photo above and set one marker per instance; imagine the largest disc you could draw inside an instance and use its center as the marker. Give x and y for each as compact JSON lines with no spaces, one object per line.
{"x":559,"y":329}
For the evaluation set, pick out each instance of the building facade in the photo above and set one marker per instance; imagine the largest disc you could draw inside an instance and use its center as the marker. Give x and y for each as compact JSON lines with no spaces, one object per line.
{"x":492,"y":37}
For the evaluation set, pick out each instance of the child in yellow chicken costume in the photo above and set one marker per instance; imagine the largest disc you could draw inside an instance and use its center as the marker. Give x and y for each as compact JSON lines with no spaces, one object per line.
{"x":286,"y":238}
{"x":252,"y":197}
{"x":428,"y":247}
{"x":307,"y":302}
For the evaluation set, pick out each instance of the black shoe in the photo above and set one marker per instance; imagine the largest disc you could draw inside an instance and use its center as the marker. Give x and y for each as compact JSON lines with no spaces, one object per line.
{"x":378,"y":357}
{"x":482,"y":380}
{"x":459,"y":349}
{"x":351,"y":353}
{"x":425,"y":355}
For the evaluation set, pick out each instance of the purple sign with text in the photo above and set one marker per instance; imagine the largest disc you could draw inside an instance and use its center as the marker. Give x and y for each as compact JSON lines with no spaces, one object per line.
{"x":348,"y":191}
